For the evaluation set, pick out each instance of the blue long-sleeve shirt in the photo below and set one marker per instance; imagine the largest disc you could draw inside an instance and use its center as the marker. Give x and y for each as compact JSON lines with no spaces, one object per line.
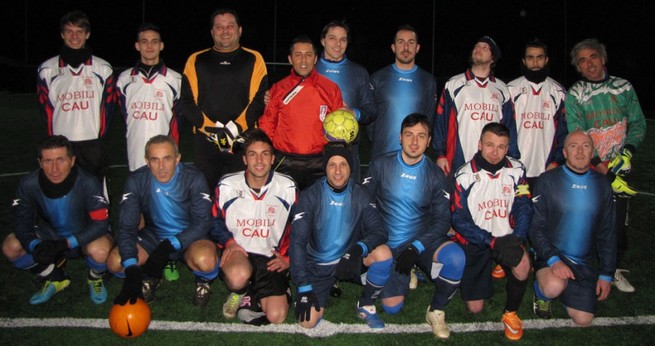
{"x":179,"y":210}
{"x":326,"y":224}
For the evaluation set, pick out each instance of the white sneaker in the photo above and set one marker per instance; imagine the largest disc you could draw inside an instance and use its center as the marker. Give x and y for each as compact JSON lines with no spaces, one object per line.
{"x":437,"y":320}
{"x":621,"y":283}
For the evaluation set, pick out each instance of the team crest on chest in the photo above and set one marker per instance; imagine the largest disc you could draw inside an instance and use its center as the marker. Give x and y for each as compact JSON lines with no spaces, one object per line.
{"x":507,"y":190}
{"x":323,"y":112}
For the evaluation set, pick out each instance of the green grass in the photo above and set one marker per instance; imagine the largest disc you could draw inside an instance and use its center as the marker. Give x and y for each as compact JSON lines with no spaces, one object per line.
{"x":174,"y":298}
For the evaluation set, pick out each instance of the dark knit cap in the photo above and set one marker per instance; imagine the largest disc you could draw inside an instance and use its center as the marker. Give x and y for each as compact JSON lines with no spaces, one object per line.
{"x":492,"y":44}
{"x":337,"y":148}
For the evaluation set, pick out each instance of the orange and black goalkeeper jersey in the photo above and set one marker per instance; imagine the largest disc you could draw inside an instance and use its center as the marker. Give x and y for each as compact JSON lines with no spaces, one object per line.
{"x":223,"y":87}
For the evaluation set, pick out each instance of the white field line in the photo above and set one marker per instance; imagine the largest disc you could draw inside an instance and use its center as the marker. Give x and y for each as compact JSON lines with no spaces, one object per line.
{"x":324,"y":329}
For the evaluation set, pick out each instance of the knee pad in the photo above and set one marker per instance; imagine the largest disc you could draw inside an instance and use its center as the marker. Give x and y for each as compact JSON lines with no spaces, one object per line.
{"x":393,"y":310}
{"x":453,"y":259}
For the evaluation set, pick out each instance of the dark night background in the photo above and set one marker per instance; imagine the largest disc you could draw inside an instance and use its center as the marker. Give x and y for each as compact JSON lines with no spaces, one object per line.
{"x":447,"y":31}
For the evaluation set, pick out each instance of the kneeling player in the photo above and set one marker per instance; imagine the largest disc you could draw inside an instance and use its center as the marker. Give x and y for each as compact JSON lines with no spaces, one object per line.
{"x":336,"y":233}
{"x":413,"y":197}
{"x":573,"y":228}
{"x":491,"y":214}
{"x":60,"y":212}
{"x":251,"y":224}
{"x":174,"y":200}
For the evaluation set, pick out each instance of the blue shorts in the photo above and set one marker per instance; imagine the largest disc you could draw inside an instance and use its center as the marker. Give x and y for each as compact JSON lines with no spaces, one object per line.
{"x":579,"y":294}
{"x":149,"y":241}
{"x":45,"y":232}
{"x":322,"y":277}
{"x":398,"y":284}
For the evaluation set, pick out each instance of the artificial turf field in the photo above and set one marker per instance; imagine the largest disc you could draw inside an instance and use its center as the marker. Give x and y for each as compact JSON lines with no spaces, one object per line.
{"x":70,"y":318}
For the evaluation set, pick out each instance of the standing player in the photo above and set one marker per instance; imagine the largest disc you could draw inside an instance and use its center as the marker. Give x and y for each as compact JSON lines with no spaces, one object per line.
{"x":251,"y":224}
{"x":222,"y":95}
{"x":60,"y":213}
{"x":573,"y":228}
{"x":75,"y":90}
{"x":174,"y":200}
{"x":337,"y":233}
{"x":468,"y":102}
{"x":293,"y":118}
{"x":539,"y":106}
{"x":413,"y":197}
{"x":351,"y":77}
{"x":399,"y":89}
{"x":148,"y":96}
{"x":491,"y":214}
{"x":608,"y":109}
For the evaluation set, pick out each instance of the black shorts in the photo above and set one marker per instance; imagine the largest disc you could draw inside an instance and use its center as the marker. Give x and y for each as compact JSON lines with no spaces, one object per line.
{"x":477,"y":282}
{"x":214,"y":163}
{"x":266,"y":283}
{"x":579,"y":294}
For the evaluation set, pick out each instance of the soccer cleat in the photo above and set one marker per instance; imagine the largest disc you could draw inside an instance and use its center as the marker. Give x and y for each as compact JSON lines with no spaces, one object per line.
{"x":437,"y":320}
{"x":170,"y":271}
{"x":149,"y":289}
{"x":369,"y":314}
{"x":542,"y":307}
{"x":232,"y":305}
{"x":97,"y":290}
{"x":513,"y":325}
{"x":250,"y":311}
{"x":201,"y":298}
{"x":48,"y":290}
{"x":621,"y":283}
{"x":413,"y":279}
{"x":498,"y":272}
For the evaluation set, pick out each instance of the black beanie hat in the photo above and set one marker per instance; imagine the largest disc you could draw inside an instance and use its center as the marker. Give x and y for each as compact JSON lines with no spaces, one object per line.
{"x":337,"y":148}
{"x":492,"y":44}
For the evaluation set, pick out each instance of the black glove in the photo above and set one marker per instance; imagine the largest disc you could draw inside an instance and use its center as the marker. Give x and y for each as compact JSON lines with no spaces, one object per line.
{"x":508,"y":250}
{"x":406,"y":260}
{"x":304,"y":304}
{"x":157,"y":259}
{"x":131,"y":286}
{"x":348,"y":268}
{"x":47,"y":251}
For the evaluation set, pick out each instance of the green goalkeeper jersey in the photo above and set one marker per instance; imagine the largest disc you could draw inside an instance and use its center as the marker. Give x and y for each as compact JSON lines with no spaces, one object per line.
{"x":609,"y":111}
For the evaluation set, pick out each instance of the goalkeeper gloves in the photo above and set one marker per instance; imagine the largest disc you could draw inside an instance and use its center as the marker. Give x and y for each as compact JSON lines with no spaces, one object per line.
{"x":508,"y":250}
{"x":131,"y":286}
{"x":620,"y":186}
{"x":348,"y":267}
{"x":620,"y":165}
{"x":304,"y":304}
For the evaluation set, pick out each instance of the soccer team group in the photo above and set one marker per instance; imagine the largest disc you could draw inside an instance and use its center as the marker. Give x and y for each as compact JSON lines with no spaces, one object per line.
{"x":528,"y":178}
